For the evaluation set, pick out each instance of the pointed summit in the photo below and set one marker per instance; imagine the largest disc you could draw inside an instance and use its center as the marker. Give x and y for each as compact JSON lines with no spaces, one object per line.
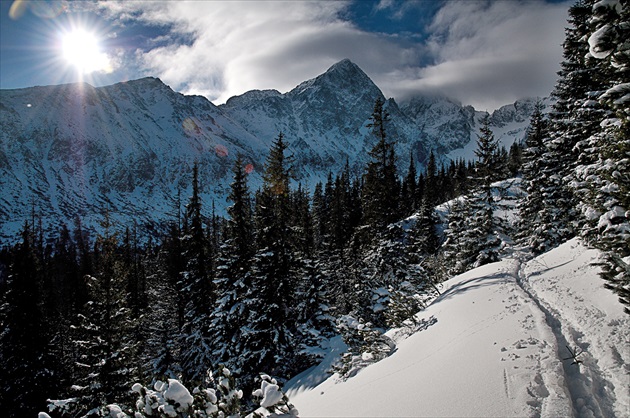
{"x":345,"y":66}
{"x":344,"y":81}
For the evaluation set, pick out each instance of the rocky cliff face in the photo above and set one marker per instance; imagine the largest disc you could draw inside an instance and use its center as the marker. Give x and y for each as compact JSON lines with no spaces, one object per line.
{"x":77,"y":151}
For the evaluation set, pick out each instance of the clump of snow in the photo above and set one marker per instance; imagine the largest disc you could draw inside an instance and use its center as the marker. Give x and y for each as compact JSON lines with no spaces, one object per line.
{"x":116,"y":412}
{"x":595,"y":42}
{"x":270,"y":393}
{"x":612,"y":4}
{"x":178,"y":393}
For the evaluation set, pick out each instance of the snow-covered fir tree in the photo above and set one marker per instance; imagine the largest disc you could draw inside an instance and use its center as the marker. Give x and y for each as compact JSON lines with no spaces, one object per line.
{"x":602,"y":177}
{"x":380,"y":185}
{"x":198,"y":287}
{"x":233,"y":271}
{"x":266,"y":341}
{"x":537,"y":211}
{"x":26,"y":370}
{"x":106,"y":362}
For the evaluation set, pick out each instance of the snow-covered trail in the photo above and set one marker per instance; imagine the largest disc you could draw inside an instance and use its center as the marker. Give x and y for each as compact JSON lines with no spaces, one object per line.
{"x":585,"y":318}
{"x":495,"y":346}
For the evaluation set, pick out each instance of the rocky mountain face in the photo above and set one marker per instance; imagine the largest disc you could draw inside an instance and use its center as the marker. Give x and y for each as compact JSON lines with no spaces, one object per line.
{"x":73,"y":150}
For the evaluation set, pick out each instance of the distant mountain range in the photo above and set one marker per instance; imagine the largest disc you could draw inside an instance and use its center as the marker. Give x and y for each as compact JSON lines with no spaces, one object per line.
{"x":75,"y":150}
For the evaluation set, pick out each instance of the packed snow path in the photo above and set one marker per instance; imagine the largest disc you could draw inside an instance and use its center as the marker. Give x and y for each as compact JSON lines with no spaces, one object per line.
{"x":495,"y":344}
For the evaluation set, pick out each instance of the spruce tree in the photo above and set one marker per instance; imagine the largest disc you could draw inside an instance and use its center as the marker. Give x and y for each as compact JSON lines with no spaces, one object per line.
{"x":431,"y":193}
{"x":380,"y":187}
{"x":536,"y":225}
{"x":233,"y":271}
{"x":105,"y":367}
{"x":266,"y":342}
{"x":574,"y":117}
{"x":604,"y":184}
{"x":458,"y":250}
{"x":408,"y":201}
{"x":26,"y":370}
{"x":197,"y":285}
{"x":484,"y":228}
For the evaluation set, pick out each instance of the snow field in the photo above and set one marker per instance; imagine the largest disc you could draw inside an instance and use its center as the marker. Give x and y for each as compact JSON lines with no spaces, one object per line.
{"x":492,"y":345}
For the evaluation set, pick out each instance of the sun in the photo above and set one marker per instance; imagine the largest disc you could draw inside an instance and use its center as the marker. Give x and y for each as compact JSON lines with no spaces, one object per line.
{"x":82,"y":50}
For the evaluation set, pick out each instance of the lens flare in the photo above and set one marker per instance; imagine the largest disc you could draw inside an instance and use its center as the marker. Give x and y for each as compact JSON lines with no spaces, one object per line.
{"x":44,"y":9}
{"x":221,"y":150}
{"x":48,"y":9}
{"x":18,"y":7}
{"x":249,"y":168}
{"x":191,"y":127}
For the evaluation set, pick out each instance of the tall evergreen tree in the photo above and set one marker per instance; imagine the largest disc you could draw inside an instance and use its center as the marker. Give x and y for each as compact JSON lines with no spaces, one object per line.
{"x":431,"y":193}
{"x":266,"y":340}
{"x":233,"y":271}
{"x":482,"y":235}
{"x":603,"y":173}
{"x":459,"y":251}
{"x":105,"y":365}
{"x":380,"y":187}
{"x":197,"y":284}
{"x":537,"y":214}
{"x":408,"y":202}
{"x":26,"y":370}
{"x":574,"y":117}
{"x":484,"y":205}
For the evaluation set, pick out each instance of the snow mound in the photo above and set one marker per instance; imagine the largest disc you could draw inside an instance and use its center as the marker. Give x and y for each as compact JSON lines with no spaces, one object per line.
{"x":497,"y":346}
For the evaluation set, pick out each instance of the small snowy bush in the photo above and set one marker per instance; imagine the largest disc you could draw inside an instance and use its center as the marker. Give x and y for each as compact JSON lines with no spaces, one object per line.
{"x":365,"y":345}
{"x":273,"y":402}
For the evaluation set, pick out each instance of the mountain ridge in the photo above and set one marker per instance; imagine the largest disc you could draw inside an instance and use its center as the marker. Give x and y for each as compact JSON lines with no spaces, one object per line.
{"x":74,"y":150}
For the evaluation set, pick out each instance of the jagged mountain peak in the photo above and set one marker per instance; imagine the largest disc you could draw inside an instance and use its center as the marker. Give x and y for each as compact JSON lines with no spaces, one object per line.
{"x":344,"y":78}
{"x":519,"y":111}
{"x":345,"y":67}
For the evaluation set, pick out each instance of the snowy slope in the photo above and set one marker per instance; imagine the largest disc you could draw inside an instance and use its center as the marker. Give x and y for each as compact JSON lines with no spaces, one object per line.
{"x":75,"y":150}
{"x":493,"y":344}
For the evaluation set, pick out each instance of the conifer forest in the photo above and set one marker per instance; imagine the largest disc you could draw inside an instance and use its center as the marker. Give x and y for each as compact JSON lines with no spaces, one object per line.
{"x":233,"y":306}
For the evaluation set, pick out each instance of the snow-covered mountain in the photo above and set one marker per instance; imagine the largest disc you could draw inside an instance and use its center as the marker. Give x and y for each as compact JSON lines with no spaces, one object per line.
{"x":75,"y":150}
{"x":539,"y":337}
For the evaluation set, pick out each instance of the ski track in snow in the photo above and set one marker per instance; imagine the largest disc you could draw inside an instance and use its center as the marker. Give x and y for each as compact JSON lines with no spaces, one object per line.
{"x":593,"y":391}
{"x":496,"y":346}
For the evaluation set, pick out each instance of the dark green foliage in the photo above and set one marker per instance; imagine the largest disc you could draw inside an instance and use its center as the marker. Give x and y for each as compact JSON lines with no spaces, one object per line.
{"x":269,"y":295}
{"x":408,"y":202}
{"x":602,"y":176}
{"x":233,"y":275}
{"x":365,"y":345}
{"x":26,"y":370}
{"x":196,"y":284}
{"x":105,"y":363}
{"x":380,"y":186}
{"x":537,"y":226}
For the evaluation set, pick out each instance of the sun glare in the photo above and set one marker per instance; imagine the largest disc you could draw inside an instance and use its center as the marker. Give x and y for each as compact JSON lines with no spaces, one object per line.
{"x":82,"y":50}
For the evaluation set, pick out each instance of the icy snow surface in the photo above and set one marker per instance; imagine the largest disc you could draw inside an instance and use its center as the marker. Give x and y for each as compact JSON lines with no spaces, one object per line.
{"x":495,"y":344}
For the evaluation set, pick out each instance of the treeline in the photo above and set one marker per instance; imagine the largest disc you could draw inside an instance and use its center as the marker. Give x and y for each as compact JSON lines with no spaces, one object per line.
{"x":83,"y":319}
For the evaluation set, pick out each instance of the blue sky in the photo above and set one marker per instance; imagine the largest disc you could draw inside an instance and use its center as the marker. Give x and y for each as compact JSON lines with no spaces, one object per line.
{"x":484,"y":53}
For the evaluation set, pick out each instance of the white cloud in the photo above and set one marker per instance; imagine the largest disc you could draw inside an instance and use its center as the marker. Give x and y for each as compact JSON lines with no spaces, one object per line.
{"x":482,"y":53}
{"x":490,"y":53}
